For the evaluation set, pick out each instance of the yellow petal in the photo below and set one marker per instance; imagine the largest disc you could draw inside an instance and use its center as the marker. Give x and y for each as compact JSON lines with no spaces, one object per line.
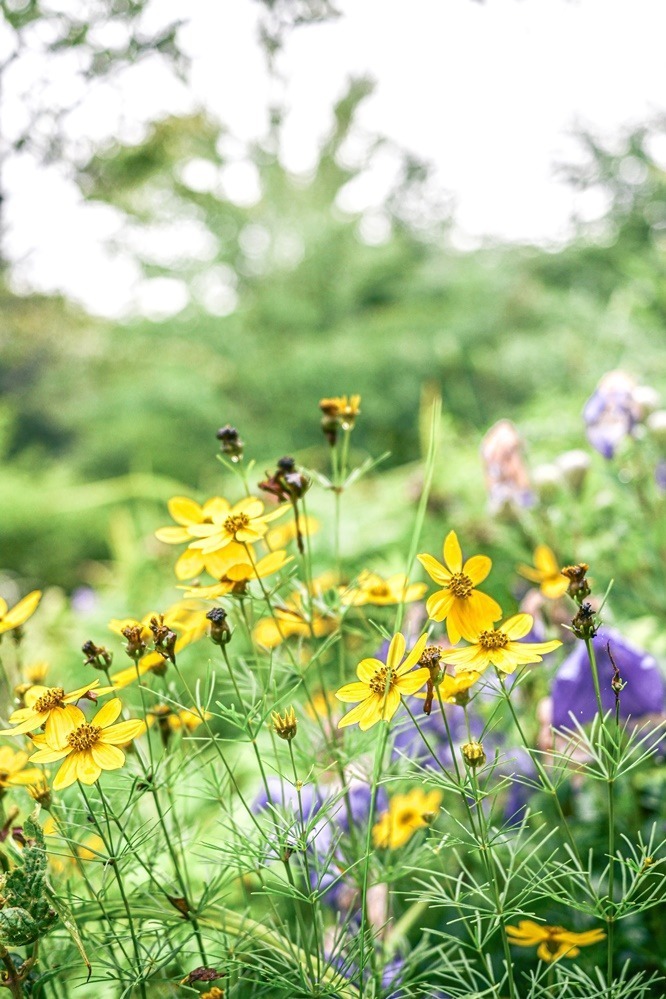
{"x":59,"y":724}
{"x":518,"y":626}
{"x":367,"y":668}
{"x":544,"y":559}
{"x":87,"y":770}
{"x":396,"y":650}
{"x":189,"y":564}
{"x":453,"y":552}
{"x":435,"y":569}
{"x":173,"y":535}
{"x":439,"y":605}
{"x":217,"y":508}
{"x":79,"y":692}
{"x":411,"y":682}
{"x":477,"y":568}
{"x":123,"y":732}
{"x":413,"y":656}
{"x":389,"y":705}
{"x":108,"y":713}
{"x":185,"y":511}
{"x":20,"y":613}
{"x":356,"y":713}
{"x":66,"y":774}
{"x":352,"y":692}
{"x":108,"y":757}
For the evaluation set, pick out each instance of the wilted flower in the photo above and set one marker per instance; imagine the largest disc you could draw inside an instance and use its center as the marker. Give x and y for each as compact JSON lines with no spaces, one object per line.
{"x":611,"y":412}
{"x":573,"y":692}
{"x":553,"y":942}
{"x":507,"y":479}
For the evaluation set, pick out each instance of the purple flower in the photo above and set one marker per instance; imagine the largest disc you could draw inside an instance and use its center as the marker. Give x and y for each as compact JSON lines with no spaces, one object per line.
{"x":611,"y":412}
{"x":573,"y":687}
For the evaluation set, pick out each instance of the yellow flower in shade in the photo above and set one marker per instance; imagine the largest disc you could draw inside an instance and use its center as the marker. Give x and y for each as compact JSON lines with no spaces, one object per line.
{"x":282,"y":534}
{"x":90,"y":747}
{"x":50,"y":707}
{"x":239,"y":574}
{"x":245,"y":523}
{"x":292,"y":619}
{"x":186,"y":617}
{"x":371,"y":588}
{"x":20,"y":612}
{"x":184,"y":719}
{"x":459,"y":602}
{"x":546,"y":572}
{"x":13,"y":770}
{"x":553,"y":942}
{"x":454,"y":689}
{"x":500,"y":647}
{"x":382,"y":684}
{"x":189,"y":514}
{"x":406,"y":813}
{"x":36,"y":672}
{"x":342,"y":408}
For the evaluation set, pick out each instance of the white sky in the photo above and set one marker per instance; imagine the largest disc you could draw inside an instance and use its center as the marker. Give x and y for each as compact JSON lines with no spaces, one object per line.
{"x":488,"y":92}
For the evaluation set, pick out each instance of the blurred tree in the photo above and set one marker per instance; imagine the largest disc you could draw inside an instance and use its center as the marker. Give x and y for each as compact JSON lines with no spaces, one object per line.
{"x":53,"y":53}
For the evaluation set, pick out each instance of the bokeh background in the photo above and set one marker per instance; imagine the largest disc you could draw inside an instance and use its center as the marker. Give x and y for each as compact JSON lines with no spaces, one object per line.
{"x":225,"y":212}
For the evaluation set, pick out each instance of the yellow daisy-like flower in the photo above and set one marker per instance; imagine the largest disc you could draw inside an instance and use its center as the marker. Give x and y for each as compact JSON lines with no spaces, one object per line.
{"x":500,"y":647}
{"x":90,"y":747}
{"x":282,"y":534}
{"x":546,"y":572}
{"x":13,"y":770}
{"x":50,"y":707}
{"x":371,"y":588}
{"x":20,"y":612}
{"x":239,"y":574}
{"x":553,"y":942}
{"x":189,"y":514}
{"x":406,"y":813}
{"x":459,"y":602}
{"x":454,"y":688}
{"x":245,"y":523}
{"x":342,"y":408}
{"x":382,"y":684}
{"x":292,"y":619}
{"x":36,"y":672}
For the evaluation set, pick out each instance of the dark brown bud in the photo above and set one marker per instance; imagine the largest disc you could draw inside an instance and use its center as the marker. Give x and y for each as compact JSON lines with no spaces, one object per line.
{"x":136,"y":646}
{"x":579,"y":586}
{"x":97,"y":656}
{"x":584,"y":624}
{"x":164,"y":639}
{"x":230,"y":442}
{"x":220,"y":632}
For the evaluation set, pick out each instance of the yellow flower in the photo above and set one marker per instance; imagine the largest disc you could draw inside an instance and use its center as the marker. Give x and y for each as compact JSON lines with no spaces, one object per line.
{"x":371,"y":588}
{"x":499,"y":647}
{"x":36,"y":672}
{"x":189,"y":514}
{"x":342,"y":408}
{"x":239,"y":574}
{"x":13,"y":771}
{"x":546,"y":573}
{"x":245,"y":523}
{"x":20,"y":612}
{"x":554,"y":942}
{"x":50,"y":707}
{"x":382,"y":684}
{"x":90,"y":747}
{"x":406,"y":813}
{"x":459,"y":601}
{"x":292,"y":619}
{"x":280,"y":536}
{"x":454,"y":688}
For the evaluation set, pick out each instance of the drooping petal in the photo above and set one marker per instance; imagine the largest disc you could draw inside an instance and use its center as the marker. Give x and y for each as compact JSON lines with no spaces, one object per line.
{"x":185,"y":511}
{"x":390,"y":703}
{"x":66,"y":774}
{"x":477,"y":568}
{"x":352,"y":692}
{"x":108,"y":757}
{"x":108,"y":713}
{"x":453,"y":552}
{"x":189,"y":564}
{"x":372,"y":713}
{"x":87,"y":770}
{"x":435,"y":569}
{"x":60,"y":723}
{"x":356,"y":713}
{"x":74,"y":695}
{"x":455,"y":621}
{"x":123,"y":732}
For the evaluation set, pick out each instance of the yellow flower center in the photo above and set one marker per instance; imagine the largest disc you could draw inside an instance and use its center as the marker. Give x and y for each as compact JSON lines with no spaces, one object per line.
{"x":237,"y":522}
{"x":4,"y":777}
{"x":382,"y":681}
{"x":50,"y":700}
{"x":84,"y":737}
{"x":408,"y":817}
{"x":380,"y":590}
{"x":460,"y":585}
{"x":491,"y":640}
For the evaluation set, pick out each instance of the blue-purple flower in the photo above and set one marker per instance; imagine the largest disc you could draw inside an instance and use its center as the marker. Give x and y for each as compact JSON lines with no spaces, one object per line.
{"x":611,"y":412}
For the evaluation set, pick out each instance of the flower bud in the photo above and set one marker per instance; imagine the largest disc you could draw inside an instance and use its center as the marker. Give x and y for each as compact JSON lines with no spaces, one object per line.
{"x":230,"y":443}
{"x":285,"y":727}
{"x":220,"y":632}
{"x":96,"y":655}
{"x":473,"y":754}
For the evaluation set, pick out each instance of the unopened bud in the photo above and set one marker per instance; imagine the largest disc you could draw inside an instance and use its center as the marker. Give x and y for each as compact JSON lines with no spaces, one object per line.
{"x":97,"y":656}
{"x":285,"y":727}
{"x":220,"y":632}
{"x":579,"y":586}
{"x":584,"y":625}
{"x":136,"y":646}
{"x":473,"y":754}
{"x":230,"y":442}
